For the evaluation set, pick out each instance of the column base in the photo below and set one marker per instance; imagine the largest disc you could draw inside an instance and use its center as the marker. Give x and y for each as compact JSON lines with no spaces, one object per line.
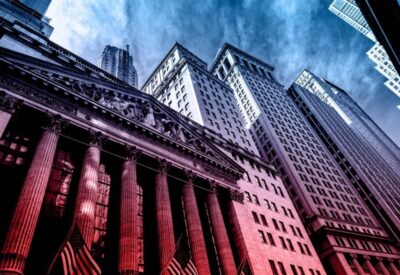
{"x":12,"y":263}
{"x":127,"y":272}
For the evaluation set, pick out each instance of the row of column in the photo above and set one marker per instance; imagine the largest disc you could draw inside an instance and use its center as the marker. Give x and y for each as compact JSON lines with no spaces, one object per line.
{"x":22,"y":227}
{"x":372,"y":270}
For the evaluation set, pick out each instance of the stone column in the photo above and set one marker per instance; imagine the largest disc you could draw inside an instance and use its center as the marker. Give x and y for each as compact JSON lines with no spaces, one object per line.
{"x":165,"y":227}
{"x":220,"y":234}
{"x":357,"y":265}
{"x":393,"y":267}
{"x":85,"y":207}
{"x":8,"y":105}
{"x":340,"y":264}
{"x":383,"y":267}
{"x":370,"y":266}
{"x":195,"y":230}
{"x":128,"y":233}
{"x":22,"y":228}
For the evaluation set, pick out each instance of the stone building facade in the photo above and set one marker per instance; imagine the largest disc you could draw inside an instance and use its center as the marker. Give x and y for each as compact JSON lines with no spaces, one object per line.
{"x":366,"y":155}
{"x":276,"y":239}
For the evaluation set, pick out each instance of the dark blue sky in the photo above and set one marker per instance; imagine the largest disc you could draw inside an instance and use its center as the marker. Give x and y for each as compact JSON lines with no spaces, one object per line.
{"x":288,"y":34}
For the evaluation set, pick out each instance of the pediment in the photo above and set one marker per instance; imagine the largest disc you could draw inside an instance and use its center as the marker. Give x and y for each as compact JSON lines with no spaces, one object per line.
{"x":135,"y":106}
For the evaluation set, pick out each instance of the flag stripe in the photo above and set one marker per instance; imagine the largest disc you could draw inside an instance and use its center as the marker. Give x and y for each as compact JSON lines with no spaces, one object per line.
{"x":76,"y":258}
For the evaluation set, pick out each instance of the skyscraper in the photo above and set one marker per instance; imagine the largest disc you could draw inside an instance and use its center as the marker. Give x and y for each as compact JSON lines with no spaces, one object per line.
{"x":275,"y":238}
{"x":27,"y":14}
{"x":383,"y":65}
{"x":382,"y":17}
{"x":349,"y":11}
{"x":39,"y":6}
{"x":345,"y":233}
{"x":366,"y":155}
{"x":182,"y":82}
{"x":119,"y":63}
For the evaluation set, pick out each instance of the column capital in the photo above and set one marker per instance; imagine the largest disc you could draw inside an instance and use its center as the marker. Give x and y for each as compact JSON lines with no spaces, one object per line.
{"x":213,"y":185}
{"x":8,"y":103}
{"x":163,"y":165}
{"x":236,"y":195}
{"x":131,"y":152}
{"x":189,"y":175}
{"x":354,"y":256}
{"x":379,"y":259}
{"x":366,"y":257}
{"x":96,"y":139}
{"x":55,"y":123}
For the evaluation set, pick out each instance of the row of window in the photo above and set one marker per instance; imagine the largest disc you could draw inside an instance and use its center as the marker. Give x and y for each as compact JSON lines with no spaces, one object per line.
{"x":295,"y":270}
{"x":278,"y":225}
{"x":286,"y":243}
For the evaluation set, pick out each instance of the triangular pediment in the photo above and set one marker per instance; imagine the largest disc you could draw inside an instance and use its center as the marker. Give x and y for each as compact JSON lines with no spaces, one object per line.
{"x":131,"y":104}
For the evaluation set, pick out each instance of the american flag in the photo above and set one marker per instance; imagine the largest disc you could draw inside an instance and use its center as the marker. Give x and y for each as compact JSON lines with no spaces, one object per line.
{"x":75,"y":256}
{"x":181,"y":264}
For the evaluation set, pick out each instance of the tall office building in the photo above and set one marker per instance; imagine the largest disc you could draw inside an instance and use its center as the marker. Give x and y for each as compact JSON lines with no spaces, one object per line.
{"x":383,"y":65}
{"x":366,"y":155}
{"x":382,"y":17}
{"x":39,"y":6}
{"x":119,"y":63}
{"x":27,"y":14}
{"x":182,"y":82}
{"x":346,"y":235}
{"x":349,"y":11}
{"x":275,"y":239}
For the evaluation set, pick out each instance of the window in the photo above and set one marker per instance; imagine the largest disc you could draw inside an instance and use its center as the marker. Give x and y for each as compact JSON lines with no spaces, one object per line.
{"x":293,"y":269}
{"x":247,"y":195}
{"x":282,"y":268}
{"x":273,"y":267}
{"x":271,"y":239}
{"x":256,"y":201}
{"x":307,"y":250}
{"x":275,"y":224}
{"x":283,"y":227}
{"x":58,"y":186}
{"x":290,"y":244}
{"x":283,"y":243}
{"x":262,"y":236}
{"x":264,"y":220}
{"x":301,"y":248}
{"x":255,"y":217}
{"x":299,"y":232}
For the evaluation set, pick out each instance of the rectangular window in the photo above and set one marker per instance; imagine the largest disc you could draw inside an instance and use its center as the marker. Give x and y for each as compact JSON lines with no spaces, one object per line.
{"x":264,"y":220}
{"x":255,"y":217}
{"x":273,"y":267}
{"x":275,"y":224}
{"x":282,"y":268}
{"x":290,"y":244}
{"x":283,"y":242}
{"x":262,"y":236}
{"x":271,"y":239}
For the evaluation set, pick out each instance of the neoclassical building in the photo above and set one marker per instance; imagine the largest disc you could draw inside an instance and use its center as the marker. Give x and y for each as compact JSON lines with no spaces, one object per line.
{"x":82,"y":150}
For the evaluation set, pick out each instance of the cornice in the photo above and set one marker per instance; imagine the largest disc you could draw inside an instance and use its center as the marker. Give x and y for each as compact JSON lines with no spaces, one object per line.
{"x":65,"y":98}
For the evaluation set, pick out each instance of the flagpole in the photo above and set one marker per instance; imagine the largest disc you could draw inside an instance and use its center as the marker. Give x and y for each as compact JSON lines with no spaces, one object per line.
{"x":50,"y":269}
{"x":170,"y":259}
{"x":242,"y":263}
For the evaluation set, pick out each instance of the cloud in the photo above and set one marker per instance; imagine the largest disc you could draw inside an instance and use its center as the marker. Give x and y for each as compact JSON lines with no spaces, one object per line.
{"x":290,"y":35}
